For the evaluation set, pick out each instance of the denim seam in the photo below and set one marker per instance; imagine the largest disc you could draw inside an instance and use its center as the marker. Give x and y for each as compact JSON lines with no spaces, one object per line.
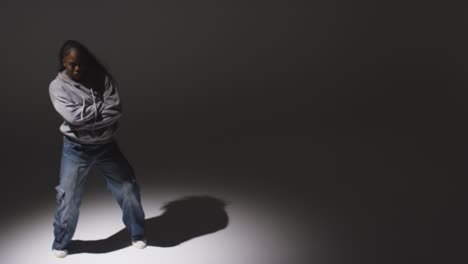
{"x":72,"y":191}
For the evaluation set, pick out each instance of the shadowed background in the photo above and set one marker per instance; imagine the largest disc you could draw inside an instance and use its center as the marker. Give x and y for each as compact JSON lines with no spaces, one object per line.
{"x":354,"y":112}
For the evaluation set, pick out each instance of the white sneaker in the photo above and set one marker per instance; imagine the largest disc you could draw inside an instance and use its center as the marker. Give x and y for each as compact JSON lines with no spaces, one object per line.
{"x":60,"y":253}
{"x":139,"y":243}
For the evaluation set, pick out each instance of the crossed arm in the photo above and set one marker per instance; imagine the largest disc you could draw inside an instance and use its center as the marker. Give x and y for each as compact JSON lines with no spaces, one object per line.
{"x":106,"y":113}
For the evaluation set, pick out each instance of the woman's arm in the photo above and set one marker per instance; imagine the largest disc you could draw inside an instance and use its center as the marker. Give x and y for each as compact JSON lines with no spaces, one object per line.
{"x":111,"y":110}
{"x":72,"y":112}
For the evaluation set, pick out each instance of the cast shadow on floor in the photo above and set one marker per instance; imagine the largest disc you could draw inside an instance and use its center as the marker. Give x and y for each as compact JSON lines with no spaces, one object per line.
{"x":182,"y":219}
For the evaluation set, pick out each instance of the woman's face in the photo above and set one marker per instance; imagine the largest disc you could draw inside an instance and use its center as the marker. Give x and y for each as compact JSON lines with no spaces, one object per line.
{"x":75,"y":64}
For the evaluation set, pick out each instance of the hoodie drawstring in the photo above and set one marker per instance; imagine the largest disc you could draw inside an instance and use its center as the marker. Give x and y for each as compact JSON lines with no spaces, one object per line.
{"x":95,"y":108}
{"x":62,"y":75}
{"x":82,"y":108}
{"x":94,"y":104}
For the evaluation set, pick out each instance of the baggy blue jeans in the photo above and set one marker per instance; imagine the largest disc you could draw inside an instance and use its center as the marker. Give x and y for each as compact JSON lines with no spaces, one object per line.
{"x":76,"y":161}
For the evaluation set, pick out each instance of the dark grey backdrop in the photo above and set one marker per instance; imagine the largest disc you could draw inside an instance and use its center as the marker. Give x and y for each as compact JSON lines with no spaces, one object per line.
{"x":350,"y":108}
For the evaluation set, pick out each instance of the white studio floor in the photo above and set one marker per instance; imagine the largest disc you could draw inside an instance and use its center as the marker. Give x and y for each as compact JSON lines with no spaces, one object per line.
{"x":259,"y":230}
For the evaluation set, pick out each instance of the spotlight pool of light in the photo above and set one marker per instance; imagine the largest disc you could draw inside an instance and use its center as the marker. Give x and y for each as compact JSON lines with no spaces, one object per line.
{"x":258,"y":231}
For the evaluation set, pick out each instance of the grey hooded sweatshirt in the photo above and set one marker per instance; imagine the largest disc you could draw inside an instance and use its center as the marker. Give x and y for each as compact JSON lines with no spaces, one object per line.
{"x":89,"y":117}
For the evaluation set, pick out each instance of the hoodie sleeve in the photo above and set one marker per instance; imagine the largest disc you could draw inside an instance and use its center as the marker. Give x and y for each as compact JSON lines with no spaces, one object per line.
{"x":111,"y":110}
{"x":72,"y":112}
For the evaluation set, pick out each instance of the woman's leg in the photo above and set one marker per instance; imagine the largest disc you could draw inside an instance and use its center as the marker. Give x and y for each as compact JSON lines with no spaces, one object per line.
{"x":121,"y":182}
{"x":75,"y":165}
